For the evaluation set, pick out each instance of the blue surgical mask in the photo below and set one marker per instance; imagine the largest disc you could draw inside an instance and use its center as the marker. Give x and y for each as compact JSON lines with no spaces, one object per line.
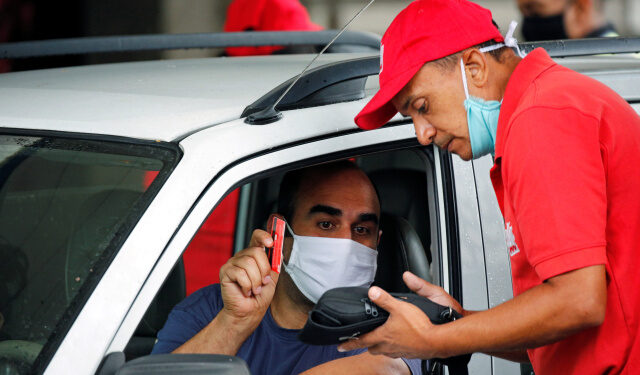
{"x":482,"y":115}
{"x":482,"y":120}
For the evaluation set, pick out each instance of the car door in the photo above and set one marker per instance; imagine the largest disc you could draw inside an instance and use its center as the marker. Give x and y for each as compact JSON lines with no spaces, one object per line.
{"x":494,"y":257}
{"x":235,"y":153}
{"x":285,"y":152}
{"x":479,"y":276}
{"x":340,"y":140}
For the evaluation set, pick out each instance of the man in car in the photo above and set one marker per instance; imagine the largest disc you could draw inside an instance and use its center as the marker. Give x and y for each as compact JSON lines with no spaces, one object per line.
{"x":256,"y":314}
{"x":566,"y":153}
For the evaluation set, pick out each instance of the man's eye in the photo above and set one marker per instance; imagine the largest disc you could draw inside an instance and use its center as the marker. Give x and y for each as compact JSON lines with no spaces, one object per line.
{"x":421,"y":106}
{"x":325,"y":225}
{"x":423,"y":109}
{"x":361,"y":230}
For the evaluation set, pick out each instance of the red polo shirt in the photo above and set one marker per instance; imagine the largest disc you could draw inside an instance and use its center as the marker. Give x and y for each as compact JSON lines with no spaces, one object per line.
{"x":567,"y":178}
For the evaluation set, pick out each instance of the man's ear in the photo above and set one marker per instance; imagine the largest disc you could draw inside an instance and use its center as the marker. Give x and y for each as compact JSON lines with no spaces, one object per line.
{"x":270,"y":221}
{"x":475,"y":67}
{"x":379,"y":237}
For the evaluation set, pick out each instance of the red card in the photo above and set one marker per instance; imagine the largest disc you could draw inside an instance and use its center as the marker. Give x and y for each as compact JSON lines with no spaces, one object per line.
{"x":275,"y":253}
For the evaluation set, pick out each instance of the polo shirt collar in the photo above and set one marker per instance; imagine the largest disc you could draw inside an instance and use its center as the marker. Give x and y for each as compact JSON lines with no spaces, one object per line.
{"x":534,"y":64}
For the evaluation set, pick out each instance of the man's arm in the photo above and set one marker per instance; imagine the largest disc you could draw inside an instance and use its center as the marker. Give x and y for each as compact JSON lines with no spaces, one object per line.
{"x":224,"y":335}
{"x":247,"y":286}
{"x":519,"y":356}
{"x":364,"y":363}
{"x":549,"y":312}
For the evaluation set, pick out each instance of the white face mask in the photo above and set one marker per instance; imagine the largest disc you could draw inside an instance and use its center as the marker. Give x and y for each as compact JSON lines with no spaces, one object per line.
{"x":317,"y":264}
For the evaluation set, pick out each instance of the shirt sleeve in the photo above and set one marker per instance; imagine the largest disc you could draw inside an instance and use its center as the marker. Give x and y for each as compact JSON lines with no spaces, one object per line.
{"x":188,"y":318}
{"x":556,"y":183}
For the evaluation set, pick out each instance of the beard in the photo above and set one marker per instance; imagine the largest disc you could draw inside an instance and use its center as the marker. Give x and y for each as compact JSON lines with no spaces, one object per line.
{"x":286,"y":284}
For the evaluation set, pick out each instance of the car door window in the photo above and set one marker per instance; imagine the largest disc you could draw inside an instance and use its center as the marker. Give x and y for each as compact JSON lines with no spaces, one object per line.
{"x":212,"y":245}
{"x":261,"y":173}
{"x":403,"y":179}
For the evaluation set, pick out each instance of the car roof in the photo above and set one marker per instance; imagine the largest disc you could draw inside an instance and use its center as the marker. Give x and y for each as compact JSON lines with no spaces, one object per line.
{"x":155,"y":100}
{"x":167,"y":100}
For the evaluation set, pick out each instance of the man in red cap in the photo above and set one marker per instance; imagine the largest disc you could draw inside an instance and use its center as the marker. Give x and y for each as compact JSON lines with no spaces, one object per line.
{"x":566,"y":177}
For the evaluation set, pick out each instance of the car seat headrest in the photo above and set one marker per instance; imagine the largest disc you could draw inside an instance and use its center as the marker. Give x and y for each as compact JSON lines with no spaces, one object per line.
{"x":399,"y":250}
{"x":403,"y":192}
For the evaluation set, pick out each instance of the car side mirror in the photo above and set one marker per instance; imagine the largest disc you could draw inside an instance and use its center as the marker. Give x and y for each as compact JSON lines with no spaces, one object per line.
{"x":186,"y":364}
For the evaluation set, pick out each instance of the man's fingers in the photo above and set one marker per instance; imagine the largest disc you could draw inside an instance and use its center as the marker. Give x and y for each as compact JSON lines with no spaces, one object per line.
{"x":272,"y":277}
{"x":364,"y":341}
{"x":261,"y":261}
{"x":250,"y":266}
{"x":239,"y":276}
{"x":382,"y":299}
{"x":260,"y":238}
{"x":418,"y":285}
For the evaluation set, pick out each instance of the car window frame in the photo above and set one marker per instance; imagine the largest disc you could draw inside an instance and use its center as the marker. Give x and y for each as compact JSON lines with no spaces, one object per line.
{"x":361,"y":143}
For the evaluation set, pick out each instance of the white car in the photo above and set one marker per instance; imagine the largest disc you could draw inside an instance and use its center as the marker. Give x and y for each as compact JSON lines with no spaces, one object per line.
{"x":108,"y":171}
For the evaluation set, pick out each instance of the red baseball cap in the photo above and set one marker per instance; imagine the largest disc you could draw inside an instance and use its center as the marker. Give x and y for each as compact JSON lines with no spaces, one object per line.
{"x":424,"y":31}
{"x":266,"y":15}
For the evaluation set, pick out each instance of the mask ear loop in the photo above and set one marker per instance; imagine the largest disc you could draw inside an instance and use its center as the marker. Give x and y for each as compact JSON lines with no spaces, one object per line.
{"x":288,"y":228}
{"x":512,"y":42}
{"x":509,"y":41}
{"x":464,"y":79}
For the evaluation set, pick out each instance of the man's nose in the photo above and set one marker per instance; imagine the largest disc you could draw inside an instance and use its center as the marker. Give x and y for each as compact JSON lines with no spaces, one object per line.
{"x":345,"y":232}
{"x":425,"y":132}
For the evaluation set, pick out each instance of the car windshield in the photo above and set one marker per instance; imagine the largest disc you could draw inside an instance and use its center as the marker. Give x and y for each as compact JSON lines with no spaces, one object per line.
{"x":66,"y":207}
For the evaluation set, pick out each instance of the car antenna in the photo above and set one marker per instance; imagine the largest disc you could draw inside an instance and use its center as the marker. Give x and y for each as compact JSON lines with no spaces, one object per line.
{"x":271,"y":114}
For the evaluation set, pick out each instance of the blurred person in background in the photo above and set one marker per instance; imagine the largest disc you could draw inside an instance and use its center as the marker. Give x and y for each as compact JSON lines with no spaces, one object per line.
{"x":268,"y":15}
{"x":564,"y":19}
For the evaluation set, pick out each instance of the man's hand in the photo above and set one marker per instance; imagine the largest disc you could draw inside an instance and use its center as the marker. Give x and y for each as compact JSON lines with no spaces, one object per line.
{"x":247,"y":285}
{"x":554,"y":310}
{"x":247,"y":282}
{"x":402,"y":334}
{"x":430,"y":291}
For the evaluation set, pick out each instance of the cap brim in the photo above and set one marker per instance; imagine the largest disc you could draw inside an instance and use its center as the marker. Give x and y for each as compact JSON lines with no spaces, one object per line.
{"x":380,"y":109}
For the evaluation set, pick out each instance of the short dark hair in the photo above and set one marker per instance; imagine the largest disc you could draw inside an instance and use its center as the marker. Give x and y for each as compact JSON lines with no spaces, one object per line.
{"x":449,"y":62}
{"x":292,"y":180}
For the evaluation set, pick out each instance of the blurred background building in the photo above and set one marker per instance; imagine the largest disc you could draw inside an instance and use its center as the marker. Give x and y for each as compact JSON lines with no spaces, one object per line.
{"x":43,"y":19}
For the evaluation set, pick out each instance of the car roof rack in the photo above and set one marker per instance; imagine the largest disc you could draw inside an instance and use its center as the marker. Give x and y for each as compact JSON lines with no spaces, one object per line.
{"x":156,"y":42}
{"x":345,"y":80}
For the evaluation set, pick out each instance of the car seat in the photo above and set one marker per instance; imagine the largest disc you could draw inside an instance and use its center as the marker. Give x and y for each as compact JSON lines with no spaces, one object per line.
{"x":399,"y":250}
{"x":403,"y":199}
{"x":403,"y":193}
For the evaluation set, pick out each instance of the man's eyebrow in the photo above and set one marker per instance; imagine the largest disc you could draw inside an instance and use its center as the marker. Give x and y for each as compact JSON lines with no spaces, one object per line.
{"x":321,"y":208}
{"x":369,"y":217}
